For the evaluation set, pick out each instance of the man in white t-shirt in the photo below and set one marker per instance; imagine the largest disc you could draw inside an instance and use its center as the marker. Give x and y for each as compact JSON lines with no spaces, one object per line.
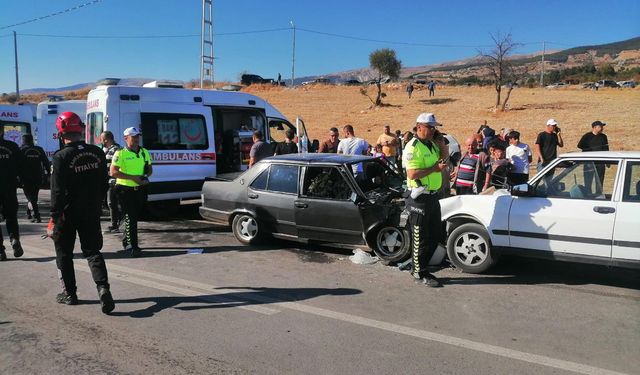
{"x":521,"y":157}
{"x":352,"y":145}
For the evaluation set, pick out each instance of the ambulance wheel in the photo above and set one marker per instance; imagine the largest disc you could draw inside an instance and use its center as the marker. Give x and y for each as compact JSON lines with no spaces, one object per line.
{"x":247,"y":229}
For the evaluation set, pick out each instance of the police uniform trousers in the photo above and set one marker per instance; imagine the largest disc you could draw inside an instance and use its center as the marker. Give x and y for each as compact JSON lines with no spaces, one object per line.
{"x":425,"y":225}
{"x":132,"y":200}
{"x":31,"y":190}
{"x":9,"y":207}
{"x":88,"y":229}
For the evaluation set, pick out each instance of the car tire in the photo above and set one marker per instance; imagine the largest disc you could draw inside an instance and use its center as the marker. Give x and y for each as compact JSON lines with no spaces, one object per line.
{"x":246,"y":229}
{"x":392,"y":244}
{"x":469,"y":248}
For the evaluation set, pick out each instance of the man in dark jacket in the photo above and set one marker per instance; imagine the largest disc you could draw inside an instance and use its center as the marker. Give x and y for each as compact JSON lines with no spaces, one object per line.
{"x":288,"y":146}
{"x":11,"y":163}
{"x":78,"y":185}
{"x":36,"y":169}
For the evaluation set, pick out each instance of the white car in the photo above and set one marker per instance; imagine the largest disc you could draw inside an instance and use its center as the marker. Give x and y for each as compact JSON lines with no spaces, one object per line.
{"x":583,"y":207}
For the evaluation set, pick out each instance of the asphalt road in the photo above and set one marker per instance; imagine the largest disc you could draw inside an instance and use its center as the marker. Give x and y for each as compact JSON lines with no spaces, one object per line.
{"x":199,"y":302}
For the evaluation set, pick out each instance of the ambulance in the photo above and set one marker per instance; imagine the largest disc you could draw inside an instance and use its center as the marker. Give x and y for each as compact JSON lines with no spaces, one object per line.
{"x":47,"y":113}
{"x":16,"y":120}
{"x":191,"y":134}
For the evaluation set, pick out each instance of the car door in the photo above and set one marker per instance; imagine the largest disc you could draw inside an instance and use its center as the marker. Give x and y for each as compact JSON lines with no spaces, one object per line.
{"x":325,"y":210}
{"x":573,"y":212}
{"x":272,"y":195}
{"x":626,"y":236}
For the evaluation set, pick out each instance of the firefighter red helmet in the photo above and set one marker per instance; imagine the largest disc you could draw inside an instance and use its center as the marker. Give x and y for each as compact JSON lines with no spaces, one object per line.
{"x":69,"y":122}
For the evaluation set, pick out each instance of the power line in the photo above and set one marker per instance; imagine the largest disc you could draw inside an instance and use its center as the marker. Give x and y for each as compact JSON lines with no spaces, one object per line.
{"x":52,"y":14}
{"x":150,"y":36}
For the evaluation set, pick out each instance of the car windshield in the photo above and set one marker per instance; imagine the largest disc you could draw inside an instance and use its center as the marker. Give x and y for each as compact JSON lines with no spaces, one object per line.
{"x":376,"y":175}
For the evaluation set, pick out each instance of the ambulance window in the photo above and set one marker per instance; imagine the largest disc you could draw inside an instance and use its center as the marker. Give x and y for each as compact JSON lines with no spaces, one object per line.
{"x":173,"y":131}
{"x":95,"y":127}
{"x":278,"y":128}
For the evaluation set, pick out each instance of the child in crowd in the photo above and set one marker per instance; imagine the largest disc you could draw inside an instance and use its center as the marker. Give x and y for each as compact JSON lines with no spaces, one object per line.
{"x":520,"y":156}
{"x":500,"y":167}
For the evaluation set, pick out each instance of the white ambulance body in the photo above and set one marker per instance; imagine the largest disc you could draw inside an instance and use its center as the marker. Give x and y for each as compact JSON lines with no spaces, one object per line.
{"x":16,"y":120}
{"x":45,"y":132}
{"x":191,"y":134}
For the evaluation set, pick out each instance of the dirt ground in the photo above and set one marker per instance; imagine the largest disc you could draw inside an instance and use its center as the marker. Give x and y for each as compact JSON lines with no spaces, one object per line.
{"x":462,"y":109}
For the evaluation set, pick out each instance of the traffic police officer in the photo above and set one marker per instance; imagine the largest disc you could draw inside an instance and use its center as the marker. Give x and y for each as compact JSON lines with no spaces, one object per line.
{"x":36,"y":165}
{"x":131,"y":166}
{"x":11,"y":164}
{"x":423,"y":158}
{"x":78,"y":185}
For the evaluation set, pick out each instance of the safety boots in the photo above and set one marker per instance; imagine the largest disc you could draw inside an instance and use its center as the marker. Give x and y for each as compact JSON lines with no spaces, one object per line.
{"x":106,"y":300}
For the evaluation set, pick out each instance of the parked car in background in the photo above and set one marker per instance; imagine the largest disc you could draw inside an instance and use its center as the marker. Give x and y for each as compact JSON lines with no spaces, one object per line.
{"x":317,"y":81}
{"x":606,"y":83}
{"x":329,"y":198}
{"x":352,"y":82}
{"x":630,"y":84}
{"x":583,"y":207}
{"x":556,"y":85}
{"x":589,"y":85}
{"x":249,"y":79}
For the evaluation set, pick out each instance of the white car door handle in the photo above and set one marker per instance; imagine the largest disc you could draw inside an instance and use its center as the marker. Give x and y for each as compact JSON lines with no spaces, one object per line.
{"x":604,"y":210}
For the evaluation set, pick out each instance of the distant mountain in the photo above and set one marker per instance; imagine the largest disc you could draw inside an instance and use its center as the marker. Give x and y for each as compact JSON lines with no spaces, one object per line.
{"x":87,"y":85}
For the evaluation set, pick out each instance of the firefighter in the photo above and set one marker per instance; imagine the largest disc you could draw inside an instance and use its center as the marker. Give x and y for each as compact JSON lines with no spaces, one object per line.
{"x":131,"y":166}
{"x":423,"y":156}
{"x":78,"y":185}
{"x":11,"y":164}
{"x":36,"y":170}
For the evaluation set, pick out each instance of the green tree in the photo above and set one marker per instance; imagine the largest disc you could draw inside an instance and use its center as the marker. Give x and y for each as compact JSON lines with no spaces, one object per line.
{"x":386,"y":64}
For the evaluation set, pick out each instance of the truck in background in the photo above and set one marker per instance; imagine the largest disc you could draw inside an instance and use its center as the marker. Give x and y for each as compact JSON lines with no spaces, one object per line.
{"x":191,"y":134}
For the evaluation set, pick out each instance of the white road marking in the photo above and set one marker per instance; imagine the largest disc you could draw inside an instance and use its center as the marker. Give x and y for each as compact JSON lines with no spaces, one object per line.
{"x":190,"y":289}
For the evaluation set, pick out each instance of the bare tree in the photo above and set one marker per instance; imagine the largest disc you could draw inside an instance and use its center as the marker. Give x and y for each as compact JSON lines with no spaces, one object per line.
{"x":502,"y":69}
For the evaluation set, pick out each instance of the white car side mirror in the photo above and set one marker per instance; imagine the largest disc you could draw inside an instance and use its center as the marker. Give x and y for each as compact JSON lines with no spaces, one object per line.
{"x":522,"y":190}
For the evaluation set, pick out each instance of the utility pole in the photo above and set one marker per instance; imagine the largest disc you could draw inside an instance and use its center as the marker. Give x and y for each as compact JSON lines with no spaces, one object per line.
{"x":293,"y":57}
{"x":206,"y":43}
{"x":15,"y":51}
{"x":544,"y":47}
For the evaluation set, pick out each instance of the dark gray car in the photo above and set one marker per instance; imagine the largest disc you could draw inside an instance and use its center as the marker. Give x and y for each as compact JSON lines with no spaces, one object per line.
{"x":339,"y":199}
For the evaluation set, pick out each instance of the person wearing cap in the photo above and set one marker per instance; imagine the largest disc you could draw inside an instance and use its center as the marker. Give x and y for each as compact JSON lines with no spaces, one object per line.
{"x":11,"y":166}
{"x":36,"y":168}
{"x":78,"y":184}
{"x":424,"y":160}
{"x":595,"y":140}
{"x":389,"y":143}
{"x":131,"y":167}
{"x":547,"y":143}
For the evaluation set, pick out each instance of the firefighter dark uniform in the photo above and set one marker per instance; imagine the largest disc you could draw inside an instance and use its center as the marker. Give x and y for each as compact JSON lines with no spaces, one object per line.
{"x":11,"y":164}
{"x":131,"y":195}
{"x":78,"y":185}
{"x":36,"y":167}
{"x":424,"y":209}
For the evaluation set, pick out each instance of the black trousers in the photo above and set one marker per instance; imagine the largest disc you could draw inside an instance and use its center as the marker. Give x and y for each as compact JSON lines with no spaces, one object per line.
{"x":9,"y":207}
{"x":132,"y":201}
{"x":425,"y":224}
{"x":31,"y":190}
{"x":114,"y":206}
{"x":88,"y":229}
{"x":518,"y":178}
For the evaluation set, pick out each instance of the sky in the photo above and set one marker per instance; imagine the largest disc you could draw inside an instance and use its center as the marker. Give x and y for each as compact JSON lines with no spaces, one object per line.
{"x":421,"y":32}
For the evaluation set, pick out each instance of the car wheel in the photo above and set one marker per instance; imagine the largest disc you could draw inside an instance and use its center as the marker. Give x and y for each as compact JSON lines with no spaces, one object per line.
{"x":392,"y":244}
{"x":469,"y":248}
{"x":246,"y":229}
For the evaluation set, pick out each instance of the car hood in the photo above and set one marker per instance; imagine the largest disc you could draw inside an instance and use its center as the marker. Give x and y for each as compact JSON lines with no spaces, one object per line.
{"x":482,"y":207}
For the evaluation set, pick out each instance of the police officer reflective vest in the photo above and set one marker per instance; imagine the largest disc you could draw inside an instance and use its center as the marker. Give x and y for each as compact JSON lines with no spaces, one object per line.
{"x":131,"y":163}
{"x":420,"y":155}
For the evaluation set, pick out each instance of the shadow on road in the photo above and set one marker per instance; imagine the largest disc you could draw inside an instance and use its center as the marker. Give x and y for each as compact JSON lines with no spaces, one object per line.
{"x":248,"y":297}
{"x":528,"y":271}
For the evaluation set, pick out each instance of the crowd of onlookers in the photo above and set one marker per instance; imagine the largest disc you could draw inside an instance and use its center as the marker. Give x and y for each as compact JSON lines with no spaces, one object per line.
{"x":488,"y":158}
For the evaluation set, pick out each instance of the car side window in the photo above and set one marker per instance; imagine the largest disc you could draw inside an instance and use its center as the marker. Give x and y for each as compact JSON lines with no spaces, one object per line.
{"x":325,"y":183}
{"x":283,"y":179}
{"x":631,"y":189}
{"x":260,"y":183}
{"x":579,"y":179}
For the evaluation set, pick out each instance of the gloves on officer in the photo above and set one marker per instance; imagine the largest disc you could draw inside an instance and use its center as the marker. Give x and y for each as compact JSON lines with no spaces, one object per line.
{"x":54,"y":228}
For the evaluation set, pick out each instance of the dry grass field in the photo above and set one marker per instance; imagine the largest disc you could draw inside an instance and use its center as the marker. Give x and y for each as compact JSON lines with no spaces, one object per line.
{"x":462,"y":109}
